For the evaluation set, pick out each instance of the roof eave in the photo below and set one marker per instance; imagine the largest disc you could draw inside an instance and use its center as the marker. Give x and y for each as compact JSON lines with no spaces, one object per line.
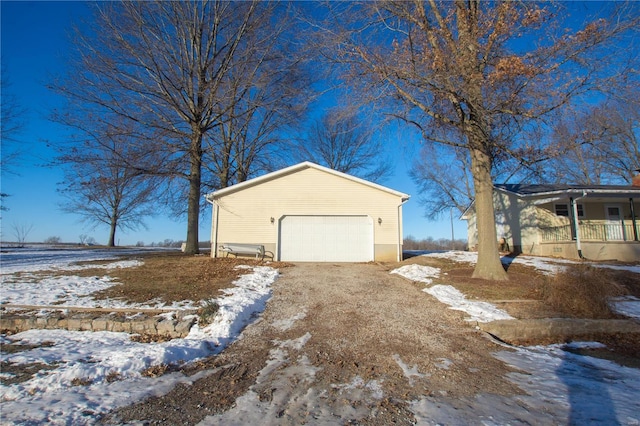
{"x":575,"y":192}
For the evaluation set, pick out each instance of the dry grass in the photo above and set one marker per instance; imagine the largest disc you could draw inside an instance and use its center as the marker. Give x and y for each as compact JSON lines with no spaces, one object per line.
{"x":19,"y":373}
{"x":520,"y":286}
{"x":113,"y":376}
{"x":630,"y":281}
{"x":156,"y":370}
{"x":579,"y":292}
{"x":81,"y":381}
{"x":582,"y":291}
{"x":207,"y":312}
{"x":176,"y":277}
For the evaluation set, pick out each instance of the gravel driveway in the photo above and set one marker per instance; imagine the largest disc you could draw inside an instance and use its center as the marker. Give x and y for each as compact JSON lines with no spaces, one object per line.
{"x":337,"y":343}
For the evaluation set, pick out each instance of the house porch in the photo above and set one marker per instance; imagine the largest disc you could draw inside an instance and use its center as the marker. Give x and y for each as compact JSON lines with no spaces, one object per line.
{"x":599,"y":240}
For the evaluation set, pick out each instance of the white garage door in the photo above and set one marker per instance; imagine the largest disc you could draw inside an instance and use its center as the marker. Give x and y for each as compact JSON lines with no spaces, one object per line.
{"x":326,"y":238}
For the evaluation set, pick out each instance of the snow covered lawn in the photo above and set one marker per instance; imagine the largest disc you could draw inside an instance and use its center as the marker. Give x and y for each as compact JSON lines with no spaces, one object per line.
{"x":94,"y":372}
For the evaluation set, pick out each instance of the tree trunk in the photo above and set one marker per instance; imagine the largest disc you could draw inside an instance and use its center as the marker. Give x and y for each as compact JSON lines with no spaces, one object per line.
{"x":112,"y":232}
{"x":195,"y":182}
{"x":476,"y":129}
{"x":489,"y":266}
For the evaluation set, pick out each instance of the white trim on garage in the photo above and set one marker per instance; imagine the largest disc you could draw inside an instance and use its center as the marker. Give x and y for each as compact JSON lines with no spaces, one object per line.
{"x":326,"y":238}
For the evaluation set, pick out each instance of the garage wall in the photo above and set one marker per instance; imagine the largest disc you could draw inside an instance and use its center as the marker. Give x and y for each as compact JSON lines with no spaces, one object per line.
{"x":244,"y":216}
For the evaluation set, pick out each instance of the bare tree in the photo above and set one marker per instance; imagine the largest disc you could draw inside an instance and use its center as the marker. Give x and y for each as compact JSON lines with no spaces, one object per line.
{"x":163,"y":67}
{"x":87,"y":240}
{"x":444,"y":180}
{"x":21,"y":231}
{"x":622,"y":144}
{"x":267,"y":98}
{"x":11,"y":116}
{"x":580,"y":158}
{"x":103,"y":188}
{"x":340,"y":141}
{"x":599,"y":145}
{"x":473,"y":75}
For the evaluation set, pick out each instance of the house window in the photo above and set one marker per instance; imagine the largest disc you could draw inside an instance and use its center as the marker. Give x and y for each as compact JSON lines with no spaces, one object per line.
{"x":564,"y":210}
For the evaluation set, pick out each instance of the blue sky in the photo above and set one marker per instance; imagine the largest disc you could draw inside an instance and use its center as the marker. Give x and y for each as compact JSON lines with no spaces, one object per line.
{"x":34,"y":42}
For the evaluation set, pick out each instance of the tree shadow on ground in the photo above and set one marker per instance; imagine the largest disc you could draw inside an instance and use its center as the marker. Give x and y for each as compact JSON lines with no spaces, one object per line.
{"x":588,"y":397}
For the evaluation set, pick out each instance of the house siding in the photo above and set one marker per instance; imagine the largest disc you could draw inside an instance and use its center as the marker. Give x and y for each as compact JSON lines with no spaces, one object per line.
{"x":245,"y":216}
{"x":516,"y":222}
{"x":522,"y":223}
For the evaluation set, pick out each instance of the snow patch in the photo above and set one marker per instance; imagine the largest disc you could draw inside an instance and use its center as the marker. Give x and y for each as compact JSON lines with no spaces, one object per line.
{"x":420,"y":273}
{"x":68,"y":290}
{"x":443,"y":363}
{"x":296,"y":344}
{"x":373,"y":387}
{"x":409,"y":372}
{"x":626,"y":305}
{"x":546,"y":265}
{"x":249,"y":409}
{"x":478,"y":311}
{"x":287,"y":323}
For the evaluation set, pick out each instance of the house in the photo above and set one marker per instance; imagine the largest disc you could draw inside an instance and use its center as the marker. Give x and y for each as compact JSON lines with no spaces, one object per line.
{"x":595,"y":222}
{"x":308,"y":212}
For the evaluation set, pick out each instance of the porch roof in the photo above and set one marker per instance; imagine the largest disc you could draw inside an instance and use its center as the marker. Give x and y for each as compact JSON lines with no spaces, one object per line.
{"x":555,"y":192}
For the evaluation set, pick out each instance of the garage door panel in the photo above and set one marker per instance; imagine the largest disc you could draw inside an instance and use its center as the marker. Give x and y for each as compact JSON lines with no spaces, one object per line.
{"x":326,"y":238}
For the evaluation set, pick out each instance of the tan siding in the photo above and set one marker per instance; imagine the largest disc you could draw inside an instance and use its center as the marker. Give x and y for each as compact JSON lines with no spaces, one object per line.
{"x":244,"y":216}
{"x":593,"y":210}
{"x":386,"y":252}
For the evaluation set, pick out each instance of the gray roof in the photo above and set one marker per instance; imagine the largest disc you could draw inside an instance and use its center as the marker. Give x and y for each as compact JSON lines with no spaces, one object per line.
{"x":547,"y":192}
{"x":525,"y":190}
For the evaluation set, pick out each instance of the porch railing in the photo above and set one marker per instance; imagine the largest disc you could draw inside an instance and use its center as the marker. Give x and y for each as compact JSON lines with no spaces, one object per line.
{"x":591,"y":232}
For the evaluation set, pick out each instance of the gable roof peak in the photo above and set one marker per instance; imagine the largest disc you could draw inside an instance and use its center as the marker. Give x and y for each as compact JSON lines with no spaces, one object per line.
{"x":294,"y":169}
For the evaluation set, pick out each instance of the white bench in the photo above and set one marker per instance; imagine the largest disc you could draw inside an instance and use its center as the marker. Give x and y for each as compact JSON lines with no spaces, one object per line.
{"x":245,"y":249}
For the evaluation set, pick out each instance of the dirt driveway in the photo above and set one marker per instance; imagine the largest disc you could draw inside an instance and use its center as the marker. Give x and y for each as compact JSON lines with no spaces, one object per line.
{"x":337,"y":343}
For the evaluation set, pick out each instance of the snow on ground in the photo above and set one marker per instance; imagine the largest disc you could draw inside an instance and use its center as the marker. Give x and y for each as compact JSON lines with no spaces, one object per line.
{"x":110,"y":363}
{"x":478,"y":311}
{"x":424,"y":274}
{"x":64,"y":259}
{"x":558,"y":386}
{"x":67,"y":290}
{"x":22,"y":284}
{"x":586,"y":389}
{"x":546,"y":265}
{"x":629,"y":306}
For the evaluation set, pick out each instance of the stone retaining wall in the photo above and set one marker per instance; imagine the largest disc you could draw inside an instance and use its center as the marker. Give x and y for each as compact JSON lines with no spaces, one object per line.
{"x":140,"y":323}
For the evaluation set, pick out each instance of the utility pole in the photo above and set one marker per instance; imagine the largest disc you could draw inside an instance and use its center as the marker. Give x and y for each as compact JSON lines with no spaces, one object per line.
{"x":452,"y":235}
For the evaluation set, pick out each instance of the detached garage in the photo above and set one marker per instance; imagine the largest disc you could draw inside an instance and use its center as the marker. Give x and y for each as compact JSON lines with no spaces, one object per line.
{"x":310,"y":213}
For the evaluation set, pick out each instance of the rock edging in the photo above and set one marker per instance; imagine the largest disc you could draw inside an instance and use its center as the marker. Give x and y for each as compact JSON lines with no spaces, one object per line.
{"x":138,"y":323}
